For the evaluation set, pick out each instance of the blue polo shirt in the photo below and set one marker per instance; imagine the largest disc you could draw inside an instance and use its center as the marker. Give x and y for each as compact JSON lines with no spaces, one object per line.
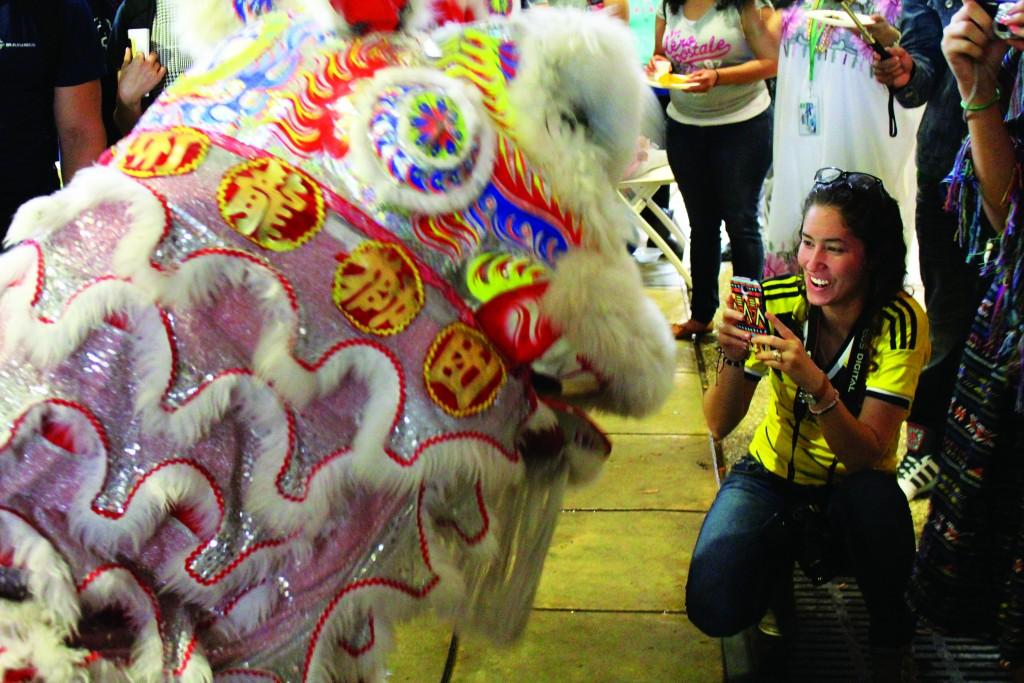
{"x":44,"y":44}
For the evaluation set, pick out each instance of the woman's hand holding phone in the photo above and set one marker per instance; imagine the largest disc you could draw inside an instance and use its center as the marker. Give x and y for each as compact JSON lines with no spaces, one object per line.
{"x":785,"y":352}
{"x":735,"y":343}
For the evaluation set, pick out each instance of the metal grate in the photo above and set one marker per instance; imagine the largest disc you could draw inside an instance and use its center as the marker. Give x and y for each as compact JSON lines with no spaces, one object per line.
{"x":830,"y":644}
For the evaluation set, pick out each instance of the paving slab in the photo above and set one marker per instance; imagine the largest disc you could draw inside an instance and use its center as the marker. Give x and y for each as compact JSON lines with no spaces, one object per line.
{"x":669,"y":299}
{"x":686,"y":357}
{"x":610,"y":604}
{"x":619,"y":561}
{"x":565,"y":647}
{"x":656,"y":472}
{"x":681,"y":414}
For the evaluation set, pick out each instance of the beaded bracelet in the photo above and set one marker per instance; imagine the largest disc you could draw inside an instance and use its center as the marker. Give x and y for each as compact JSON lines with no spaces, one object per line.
{"x":722,"y":358}
{"x":970,"y":106}
{"x":831,"y":404}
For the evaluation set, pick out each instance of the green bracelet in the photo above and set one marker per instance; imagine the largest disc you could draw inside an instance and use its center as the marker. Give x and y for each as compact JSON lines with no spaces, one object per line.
{"x":967,"y":106}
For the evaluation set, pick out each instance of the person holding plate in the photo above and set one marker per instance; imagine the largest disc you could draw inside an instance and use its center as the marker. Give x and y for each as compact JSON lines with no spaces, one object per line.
{"x":829,"y":111}
{"x":718,"y":139}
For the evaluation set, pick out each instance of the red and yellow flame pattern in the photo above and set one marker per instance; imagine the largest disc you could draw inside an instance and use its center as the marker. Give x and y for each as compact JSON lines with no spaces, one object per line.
{"x":309,"y":123}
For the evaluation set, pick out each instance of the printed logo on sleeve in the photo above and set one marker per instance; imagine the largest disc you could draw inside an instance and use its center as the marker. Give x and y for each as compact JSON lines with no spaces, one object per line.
{"x":4,"y":44}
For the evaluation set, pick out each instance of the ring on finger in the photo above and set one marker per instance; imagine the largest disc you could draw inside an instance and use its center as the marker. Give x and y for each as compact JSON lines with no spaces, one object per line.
{"x":777,"y":355}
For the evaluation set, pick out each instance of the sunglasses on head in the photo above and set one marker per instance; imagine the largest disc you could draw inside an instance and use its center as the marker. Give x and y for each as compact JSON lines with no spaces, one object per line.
{"x":855,"y":180}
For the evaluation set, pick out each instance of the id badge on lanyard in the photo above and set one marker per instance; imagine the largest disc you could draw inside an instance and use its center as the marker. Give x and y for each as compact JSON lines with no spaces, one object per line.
{"x":809,"y":114}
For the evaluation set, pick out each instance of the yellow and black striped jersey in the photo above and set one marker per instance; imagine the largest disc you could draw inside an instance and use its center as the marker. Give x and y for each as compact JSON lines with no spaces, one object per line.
{"x":898,"y":354}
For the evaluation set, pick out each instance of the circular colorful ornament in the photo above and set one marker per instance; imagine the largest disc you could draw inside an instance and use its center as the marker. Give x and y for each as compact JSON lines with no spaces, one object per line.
{"x":422,"y":141}
{"x":271,"y":203}
{"x":463,"y":372}
{"x":434,"y":127}
{"x":378,"y":288}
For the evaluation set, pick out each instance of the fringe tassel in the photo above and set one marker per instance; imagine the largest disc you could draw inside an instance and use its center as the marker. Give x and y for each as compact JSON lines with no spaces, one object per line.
{"x":500,"y":591}
{"x":1006,"y":265}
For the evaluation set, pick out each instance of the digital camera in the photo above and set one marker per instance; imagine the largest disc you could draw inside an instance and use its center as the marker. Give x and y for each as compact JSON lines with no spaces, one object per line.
{"x":998,"y":11}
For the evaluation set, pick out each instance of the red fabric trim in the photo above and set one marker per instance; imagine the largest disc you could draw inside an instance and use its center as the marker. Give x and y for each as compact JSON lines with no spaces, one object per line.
{"x":78,"y":292}
{"x":63,"y":403}
{"x":454,"y":436}
{"x":418,"y":593}
{"x":484,"y":517}
{"x":358,"y":652}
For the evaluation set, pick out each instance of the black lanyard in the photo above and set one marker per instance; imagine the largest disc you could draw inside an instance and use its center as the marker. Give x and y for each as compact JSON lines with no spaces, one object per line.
{"x":851,"y":393}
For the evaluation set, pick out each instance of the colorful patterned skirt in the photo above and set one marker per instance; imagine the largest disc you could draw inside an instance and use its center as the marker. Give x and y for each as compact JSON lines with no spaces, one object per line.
{"x":969,"y":574}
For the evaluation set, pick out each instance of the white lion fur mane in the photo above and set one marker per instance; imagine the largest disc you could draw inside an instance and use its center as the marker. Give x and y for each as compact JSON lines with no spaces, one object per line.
{"x":580,"y":63}
{"x":597,"y":302}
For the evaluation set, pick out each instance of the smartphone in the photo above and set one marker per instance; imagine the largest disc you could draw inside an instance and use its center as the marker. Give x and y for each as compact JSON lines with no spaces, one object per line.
{"x":748,"y":299}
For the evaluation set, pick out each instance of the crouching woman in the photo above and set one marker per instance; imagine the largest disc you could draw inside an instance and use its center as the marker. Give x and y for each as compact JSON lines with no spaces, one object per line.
{"x":818,"y":484}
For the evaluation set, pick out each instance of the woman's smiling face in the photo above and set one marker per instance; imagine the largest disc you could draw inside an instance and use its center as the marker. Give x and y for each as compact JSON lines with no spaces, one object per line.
{"x":832,"y":259}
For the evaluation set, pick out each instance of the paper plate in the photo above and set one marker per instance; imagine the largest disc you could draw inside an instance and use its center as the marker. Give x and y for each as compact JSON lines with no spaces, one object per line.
{"x":672,"y":82}
{"x":837,"y":17}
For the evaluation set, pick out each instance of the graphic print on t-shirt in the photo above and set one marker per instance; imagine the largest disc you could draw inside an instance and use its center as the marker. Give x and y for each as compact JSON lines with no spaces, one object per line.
{"x":689,"y":54}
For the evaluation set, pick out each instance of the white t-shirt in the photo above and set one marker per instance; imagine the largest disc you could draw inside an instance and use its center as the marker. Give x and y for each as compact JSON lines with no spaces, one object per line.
{"x":713,"y":41}
{"x":851,"y":123}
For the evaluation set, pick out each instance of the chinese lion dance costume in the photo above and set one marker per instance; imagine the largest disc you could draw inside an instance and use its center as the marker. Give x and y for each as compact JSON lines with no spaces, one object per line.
{"x":308,"y":352}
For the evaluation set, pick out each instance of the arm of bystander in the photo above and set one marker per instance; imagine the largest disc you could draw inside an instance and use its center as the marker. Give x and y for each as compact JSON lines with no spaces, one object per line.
{"x":76,"y":110}
{"x":974,"y":55}
{"x":77,"y":94}
{"x":916,"y":66}
{"x":139,"y":74}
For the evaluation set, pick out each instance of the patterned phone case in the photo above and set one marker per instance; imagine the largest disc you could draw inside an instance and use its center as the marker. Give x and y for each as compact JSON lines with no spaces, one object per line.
{"x":748,"y":298}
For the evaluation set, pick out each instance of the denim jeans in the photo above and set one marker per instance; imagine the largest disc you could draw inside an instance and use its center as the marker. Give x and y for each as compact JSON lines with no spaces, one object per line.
{"x":720,"y":170}
{"x":952,"y":292}
{"x":746,"y":548}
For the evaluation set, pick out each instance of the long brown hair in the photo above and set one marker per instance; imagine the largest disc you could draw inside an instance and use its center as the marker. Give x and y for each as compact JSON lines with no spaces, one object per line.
{"x":873,"y":216}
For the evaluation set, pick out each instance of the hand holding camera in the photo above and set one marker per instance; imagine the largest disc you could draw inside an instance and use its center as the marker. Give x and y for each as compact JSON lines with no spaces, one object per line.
{"x":974,"y":50}
{"x":1001,"y":13}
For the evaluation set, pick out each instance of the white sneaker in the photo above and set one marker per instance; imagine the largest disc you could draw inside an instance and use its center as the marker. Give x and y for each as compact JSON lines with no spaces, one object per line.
{"x":917,"y":474}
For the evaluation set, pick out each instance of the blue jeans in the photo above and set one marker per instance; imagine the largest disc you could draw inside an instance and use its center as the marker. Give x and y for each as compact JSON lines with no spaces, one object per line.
{"x":720,"y":170}
{"x":746,"y":548}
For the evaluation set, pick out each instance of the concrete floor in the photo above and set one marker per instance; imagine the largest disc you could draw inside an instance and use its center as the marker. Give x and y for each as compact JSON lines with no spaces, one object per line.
{"x":610,"y":607}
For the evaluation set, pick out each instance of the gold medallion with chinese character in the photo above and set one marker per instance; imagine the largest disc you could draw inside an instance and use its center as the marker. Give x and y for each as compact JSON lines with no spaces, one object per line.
{"x":271,"y":203}
{"x":156,"y":153}
{"x":463,"y":372}
{"x":378,"y":288}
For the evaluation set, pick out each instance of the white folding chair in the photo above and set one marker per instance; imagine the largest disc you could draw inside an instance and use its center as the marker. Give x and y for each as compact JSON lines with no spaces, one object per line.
{"x":637,"y":192}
